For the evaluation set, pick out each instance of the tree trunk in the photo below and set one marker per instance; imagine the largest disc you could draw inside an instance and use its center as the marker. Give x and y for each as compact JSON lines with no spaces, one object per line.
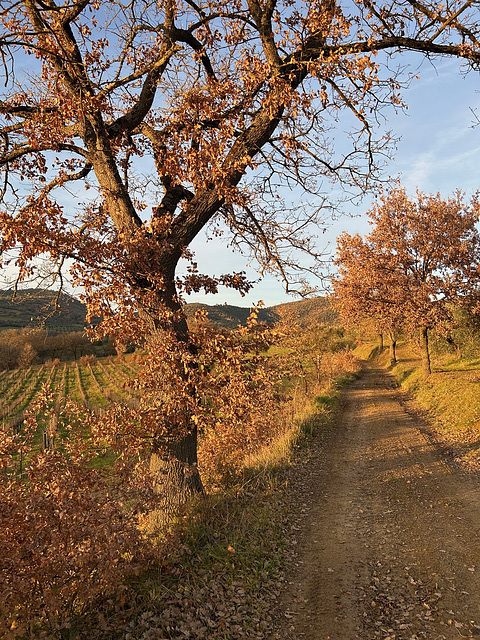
{"x":175,"y":471}
{"x":173,"y":460}
{"x":426,"y":366}
{"x":380,"y":336}
{"x":393,"y":349}
{"x":458,"y":349}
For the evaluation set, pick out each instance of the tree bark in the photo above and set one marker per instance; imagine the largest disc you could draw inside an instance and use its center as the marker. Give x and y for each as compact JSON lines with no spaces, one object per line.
{"x":175,"y":471}
{"x":173,"y":461}
{"x":426,"y":366}
{"x":393,"y":348}
{"x":457,"y":347}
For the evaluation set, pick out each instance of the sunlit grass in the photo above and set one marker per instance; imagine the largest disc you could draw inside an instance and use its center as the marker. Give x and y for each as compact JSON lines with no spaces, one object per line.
{"x":450,"y":396}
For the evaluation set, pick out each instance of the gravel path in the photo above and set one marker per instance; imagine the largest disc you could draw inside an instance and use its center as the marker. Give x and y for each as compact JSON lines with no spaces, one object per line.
{"x":385,"y":531}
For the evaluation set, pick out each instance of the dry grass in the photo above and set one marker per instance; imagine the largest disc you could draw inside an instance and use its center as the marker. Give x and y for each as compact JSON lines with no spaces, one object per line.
{"x":450,"y":396}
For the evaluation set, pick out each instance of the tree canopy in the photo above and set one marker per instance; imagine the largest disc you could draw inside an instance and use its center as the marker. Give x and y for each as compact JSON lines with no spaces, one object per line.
{"x":164,"y":108}
{"x":421,"y":258}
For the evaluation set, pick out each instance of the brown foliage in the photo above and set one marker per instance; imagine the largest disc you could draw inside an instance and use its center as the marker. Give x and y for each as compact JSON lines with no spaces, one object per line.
{"x":72,"y":530}
{"x":241,"y":398}
{"x":337,"y":364}
{"x":22,"y":347}
{"x":160,"y":110}
{"x":87,"y":360}
{"x":67,"y":541}
{"x":421,"y":258}
{"x":223,"y":382}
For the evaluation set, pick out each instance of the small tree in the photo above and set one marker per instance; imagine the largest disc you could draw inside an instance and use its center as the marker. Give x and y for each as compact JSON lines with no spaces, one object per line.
{"x":422,"y":255}
{"x":362,"y":291}
{"x":27,"y":356}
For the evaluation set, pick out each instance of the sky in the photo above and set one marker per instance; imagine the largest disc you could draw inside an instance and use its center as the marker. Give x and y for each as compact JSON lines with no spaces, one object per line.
{"x":438,"y":151}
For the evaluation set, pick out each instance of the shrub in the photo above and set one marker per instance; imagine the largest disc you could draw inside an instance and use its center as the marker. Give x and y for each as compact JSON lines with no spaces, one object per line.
{"x":88,"y":359}
{"x":338,"y":364}
{"x":66,"y":539}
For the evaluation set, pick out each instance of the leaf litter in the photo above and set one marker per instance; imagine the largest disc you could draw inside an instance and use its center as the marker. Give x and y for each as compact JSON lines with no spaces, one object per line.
{"x":389,"y":544}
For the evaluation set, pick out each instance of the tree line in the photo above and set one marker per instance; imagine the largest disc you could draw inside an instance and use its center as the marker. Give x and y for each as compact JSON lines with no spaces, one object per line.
{"x":23,"y":347}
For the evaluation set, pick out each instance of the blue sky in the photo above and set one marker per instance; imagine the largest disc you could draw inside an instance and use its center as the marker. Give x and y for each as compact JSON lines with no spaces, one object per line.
{"x":438,"y":150}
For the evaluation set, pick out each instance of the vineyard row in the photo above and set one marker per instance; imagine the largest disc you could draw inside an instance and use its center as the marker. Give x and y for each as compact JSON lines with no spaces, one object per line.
{"x":94,"y":384}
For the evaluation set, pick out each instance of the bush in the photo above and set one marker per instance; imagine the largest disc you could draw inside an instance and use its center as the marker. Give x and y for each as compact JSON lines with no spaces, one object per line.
{"x":338,"y":364}
{"x":66,"y":539}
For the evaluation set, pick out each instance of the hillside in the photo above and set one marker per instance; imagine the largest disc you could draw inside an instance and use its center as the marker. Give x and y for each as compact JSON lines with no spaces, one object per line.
{"x":33,"y":307}
{"x":306,"y":313}
{"x":303,"y":312}
{"x":229,"y":316}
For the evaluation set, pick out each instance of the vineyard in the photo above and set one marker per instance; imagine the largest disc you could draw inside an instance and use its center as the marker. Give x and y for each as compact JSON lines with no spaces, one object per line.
{"x":95,"y":383}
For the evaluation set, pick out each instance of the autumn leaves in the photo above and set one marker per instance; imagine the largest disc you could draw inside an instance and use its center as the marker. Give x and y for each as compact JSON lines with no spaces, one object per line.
{"x":421,"y":259}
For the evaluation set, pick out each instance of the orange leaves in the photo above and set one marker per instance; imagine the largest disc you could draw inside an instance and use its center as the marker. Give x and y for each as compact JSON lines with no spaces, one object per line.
{"x":170,"y":107}
{"x":66,"y":540}
{"x":422,"y":255}
{"x":240,"y":398}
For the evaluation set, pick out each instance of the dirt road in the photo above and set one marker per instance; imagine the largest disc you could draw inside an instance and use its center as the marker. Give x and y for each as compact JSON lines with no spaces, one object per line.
{"x":386,"y":531}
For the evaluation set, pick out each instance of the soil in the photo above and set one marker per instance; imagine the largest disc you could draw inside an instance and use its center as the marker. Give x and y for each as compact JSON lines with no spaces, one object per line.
{"x":385,"y":530}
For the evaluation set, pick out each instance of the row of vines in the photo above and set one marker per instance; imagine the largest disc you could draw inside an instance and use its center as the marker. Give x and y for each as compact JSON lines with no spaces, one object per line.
{"x":97,"y":382}
{"x":92,"y":382}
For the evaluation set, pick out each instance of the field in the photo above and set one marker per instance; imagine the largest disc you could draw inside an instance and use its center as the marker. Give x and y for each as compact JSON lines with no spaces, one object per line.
{"x":95,"y":383}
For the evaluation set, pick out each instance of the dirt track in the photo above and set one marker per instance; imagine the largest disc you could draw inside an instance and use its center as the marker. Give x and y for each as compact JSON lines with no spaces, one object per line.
{"x":386,"y":531}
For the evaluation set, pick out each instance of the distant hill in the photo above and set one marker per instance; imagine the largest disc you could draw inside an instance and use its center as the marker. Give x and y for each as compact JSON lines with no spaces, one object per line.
{"x":34,"y":307}
{"x":229,"y":316}
{"x":313,"y":311}
{"x":303,"y":312}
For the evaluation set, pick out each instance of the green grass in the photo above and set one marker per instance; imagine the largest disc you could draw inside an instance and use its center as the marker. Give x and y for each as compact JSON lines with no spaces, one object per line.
{"x":7,"y":380}
{"x":366,"y":350}
{"x":26,"y":377}
{"x":32,"y":390}
{"x":229,"y":555}
{"x":326,"y":401}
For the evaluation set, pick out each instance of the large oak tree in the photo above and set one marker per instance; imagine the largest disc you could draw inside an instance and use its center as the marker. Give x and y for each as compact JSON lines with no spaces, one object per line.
{"x":420,"y":260}
{"x":179,"y":114}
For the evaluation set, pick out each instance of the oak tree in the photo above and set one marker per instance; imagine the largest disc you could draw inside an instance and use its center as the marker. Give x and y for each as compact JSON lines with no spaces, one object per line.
{"x":362,"y":290}
{"x":420,"y":260}
{"x":176,"y":115}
